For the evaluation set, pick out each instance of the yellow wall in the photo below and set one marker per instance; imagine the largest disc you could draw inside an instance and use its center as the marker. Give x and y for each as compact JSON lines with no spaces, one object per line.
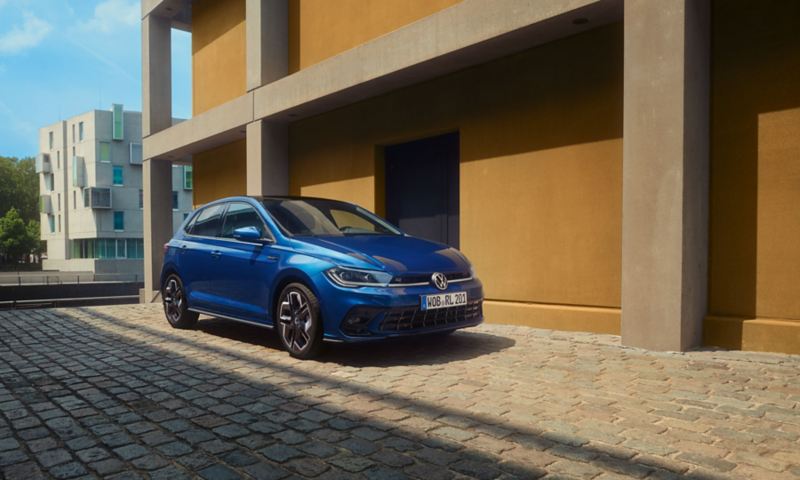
{"x":220,"y":172}
{"x":755,"y":176}
{"x":541,"y":159}
{"x":218,"y":53}
{"x":319,"y":29}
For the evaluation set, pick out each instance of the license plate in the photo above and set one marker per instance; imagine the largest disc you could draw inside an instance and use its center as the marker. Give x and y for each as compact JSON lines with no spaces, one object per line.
{"x":442,"y":300}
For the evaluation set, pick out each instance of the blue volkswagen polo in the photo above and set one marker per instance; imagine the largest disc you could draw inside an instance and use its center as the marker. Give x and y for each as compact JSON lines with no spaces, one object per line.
{"x":316,"y":270}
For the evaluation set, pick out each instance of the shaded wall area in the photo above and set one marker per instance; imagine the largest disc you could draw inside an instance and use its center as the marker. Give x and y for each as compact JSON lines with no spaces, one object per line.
{"x":754,"y":264}
{"x":220,"y":172}
{"x":540,"y":172}
{"x":219,"y":71}
{"x":319,"y":29}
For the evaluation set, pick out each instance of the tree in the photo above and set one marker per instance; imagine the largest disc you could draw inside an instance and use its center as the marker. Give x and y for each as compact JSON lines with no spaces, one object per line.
{"x":14,"y":238}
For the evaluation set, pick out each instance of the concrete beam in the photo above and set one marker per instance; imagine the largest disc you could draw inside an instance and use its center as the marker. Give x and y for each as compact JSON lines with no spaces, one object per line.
{"x":665,"y":173}
{"x":447,"y":41}
{"x":217,"y":126}
{"x":156,"y":75}
{"x":267,"y":24}
{"x":267,"y":158}
{"x":157,"y":186}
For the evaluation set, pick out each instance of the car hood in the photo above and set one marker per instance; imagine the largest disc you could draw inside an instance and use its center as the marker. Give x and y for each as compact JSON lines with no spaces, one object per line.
{"x":395,"y":253}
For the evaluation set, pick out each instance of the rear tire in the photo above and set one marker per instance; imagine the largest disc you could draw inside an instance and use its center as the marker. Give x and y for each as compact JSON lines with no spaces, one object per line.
{"x":299,"y":321}
{"x":176,"y":308}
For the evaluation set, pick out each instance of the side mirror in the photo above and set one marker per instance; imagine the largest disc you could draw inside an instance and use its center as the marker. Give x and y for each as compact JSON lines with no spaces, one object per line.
{"x":247,"y":234}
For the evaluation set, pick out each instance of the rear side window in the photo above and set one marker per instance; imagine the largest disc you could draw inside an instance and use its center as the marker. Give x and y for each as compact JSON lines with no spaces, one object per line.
{"x":242,"y":215}
{"x":208,"y":223}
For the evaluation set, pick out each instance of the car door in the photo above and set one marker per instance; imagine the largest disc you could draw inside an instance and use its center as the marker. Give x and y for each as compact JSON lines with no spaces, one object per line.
{"x":199,"y":258}
{"x":247,"y":268}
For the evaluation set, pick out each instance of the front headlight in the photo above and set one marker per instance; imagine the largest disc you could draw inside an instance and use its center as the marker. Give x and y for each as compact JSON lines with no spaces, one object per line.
{"x":351,"y":277}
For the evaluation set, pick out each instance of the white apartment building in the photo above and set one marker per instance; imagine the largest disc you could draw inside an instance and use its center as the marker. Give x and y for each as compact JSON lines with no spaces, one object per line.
{"x":91,"y":197}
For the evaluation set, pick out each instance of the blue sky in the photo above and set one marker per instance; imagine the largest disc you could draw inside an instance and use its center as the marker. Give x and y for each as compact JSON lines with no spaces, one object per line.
{"x":59,"y":58}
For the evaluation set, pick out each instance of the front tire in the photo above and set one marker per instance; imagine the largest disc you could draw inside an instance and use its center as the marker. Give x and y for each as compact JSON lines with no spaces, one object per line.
{"x":176,"y":308}
{"x":299,"y":321}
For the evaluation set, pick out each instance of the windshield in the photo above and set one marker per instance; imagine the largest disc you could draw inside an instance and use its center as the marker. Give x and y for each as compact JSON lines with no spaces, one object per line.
{"x":317,"y":217}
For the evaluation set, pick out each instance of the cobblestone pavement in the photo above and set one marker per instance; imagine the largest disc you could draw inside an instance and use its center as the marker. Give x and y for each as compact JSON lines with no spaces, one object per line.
{"x":113,"y":391}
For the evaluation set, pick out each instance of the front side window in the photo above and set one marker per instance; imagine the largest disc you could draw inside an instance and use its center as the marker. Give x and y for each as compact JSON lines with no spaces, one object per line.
{"x":117,"y":175}
{"x":242,"y":215}
{"x":208,"y":222}
{"x":317,"y":217}
{"x":119,"y":220}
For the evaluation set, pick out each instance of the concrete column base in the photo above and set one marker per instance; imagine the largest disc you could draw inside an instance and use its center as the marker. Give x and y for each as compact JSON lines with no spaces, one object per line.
{"x":157,"y":186}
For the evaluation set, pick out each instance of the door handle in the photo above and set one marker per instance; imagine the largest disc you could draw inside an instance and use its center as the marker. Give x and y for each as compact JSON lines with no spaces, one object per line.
{"x":216,"y":253}
{"x":272,"y":258}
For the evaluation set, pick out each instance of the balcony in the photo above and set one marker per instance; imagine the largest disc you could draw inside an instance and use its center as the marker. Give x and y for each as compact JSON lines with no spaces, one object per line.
{"x":97,"y":197}
{"x":78,"y":172}
{"x":45,"y":204}
{"x":43,"y":163}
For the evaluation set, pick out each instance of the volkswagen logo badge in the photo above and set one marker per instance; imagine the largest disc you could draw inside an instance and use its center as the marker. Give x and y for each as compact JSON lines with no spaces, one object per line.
{"x":439,"y":281}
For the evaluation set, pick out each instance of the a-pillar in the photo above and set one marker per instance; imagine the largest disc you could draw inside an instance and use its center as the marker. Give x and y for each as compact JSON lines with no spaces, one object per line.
{"x":665,"y":173}
{"x":267,"y":25}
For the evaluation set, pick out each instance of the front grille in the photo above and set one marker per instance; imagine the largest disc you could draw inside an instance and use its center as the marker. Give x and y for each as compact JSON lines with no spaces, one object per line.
{"x":401,"y":319}
{"x":426,"y":277}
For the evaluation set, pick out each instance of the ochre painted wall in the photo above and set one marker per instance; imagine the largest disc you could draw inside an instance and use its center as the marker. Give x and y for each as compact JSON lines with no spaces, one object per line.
{"x":754,"y":283}
{"x":319,"y":29}
{"x":218,"y":53}
{"x":220,"y":172}
{"x":541,"y":180}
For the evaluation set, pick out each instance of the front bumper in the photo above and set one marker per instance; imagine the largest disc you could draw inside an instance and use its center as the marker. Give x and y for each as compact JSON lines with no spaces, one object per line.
{"x":386,"y":312}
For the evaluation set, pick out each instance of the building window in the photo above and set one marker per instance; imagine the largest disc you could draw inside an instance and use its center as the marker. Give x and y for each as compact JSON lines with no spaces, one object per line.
{"x":117,"y":180}
{"x":117,"y":125}
{"x":174,"y":200}
{"x":141,"y":198}
{"x":52,"y":221}
{"x":73,"y":151}
{"x":59,"y":224}
{"x":187,"y":177}
{"x":185,"y":214}
{"x":80,"y":131}
{"x":58,"y":159}
{"x":50,"y":139}
{"x":119,"y":220}
{"x":136,"y":154}
{"x":73,"y":133}
{"x":104,"y":152}
{"x":74,"y":199}
{"x":59,"y":204}
{"x":48,"y":182}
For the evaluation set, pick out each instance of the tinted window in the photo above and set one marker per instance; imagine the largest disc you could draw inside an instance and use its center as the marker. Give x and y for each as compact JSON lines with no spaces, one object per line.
{"x":208,"y":222}
{"x":318,"y":217}
{"x":242,"y":215}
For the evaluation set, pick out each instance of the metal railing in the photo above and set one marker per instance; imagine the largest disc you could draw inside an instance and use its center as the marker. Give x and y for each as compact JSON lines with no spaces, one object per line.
{"x":67,"y":278}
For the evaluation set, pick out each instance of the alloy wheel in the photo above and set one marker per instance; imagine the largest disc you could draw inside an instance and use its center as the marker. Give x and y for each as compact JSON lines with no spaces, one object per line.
{"x":295,"y":319}
{"x":173,"y":300}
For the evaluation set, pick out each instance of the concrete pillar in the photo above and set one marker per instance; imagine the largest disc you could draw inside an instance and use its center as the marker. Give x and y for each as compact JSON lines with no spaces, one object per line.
{"x":267,"y":158}
{"x":267,"y":26}
{"x":157,"y":186}
{"x":156,"y":74}
{"x":665,"y":173}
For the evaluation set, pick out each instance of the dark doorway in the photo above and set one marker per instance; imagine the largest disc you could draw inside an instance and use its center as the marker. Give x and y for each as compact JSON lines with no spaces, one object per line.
{"x":422,"y":187}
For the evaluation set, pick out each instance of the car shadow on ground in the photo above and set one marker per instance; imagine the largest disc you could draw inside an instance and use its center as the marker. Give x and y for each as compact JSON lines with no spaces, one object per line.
{"x":417,"y":350}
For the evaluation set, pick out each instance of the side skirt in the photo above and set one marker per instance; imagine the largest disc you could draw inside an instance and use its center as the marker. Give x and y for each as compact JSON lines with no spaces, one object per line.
{"x":227,"y":317}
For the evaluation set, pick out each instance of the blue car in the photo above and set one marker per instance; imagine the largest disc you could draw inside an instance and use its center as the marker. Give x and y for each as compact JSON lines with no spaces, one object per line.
{"x":316,"y":270}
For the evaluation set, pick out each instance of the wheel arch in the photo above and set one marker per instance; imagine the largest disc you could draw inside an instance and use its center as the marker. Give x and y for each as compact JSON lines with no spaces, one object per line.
{"x":286,"y":277}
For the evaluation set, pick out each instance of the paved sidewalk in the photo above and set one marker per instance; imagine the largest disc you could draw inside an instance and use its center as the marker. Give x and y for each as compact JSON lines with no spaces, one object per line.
{"x":106,"y":391}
